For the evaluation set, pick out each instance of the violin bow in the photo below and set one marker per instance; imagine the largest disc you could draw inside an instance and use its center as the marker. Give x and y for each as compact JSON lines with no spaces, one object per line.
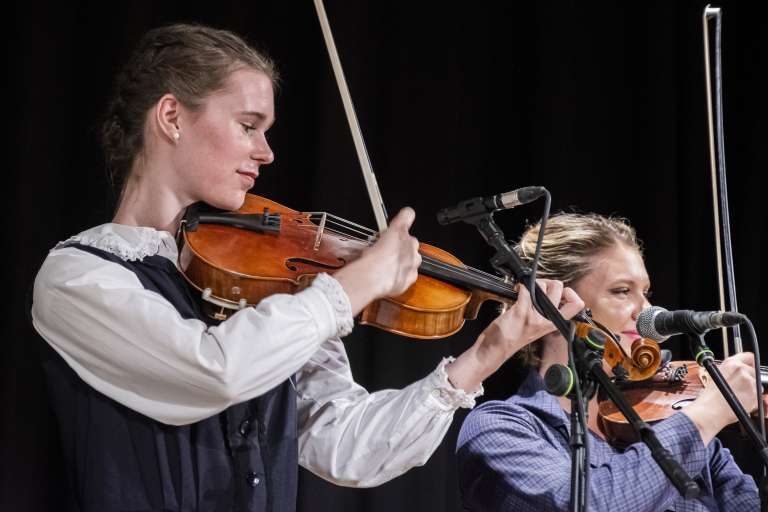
{"x":717,"y":167}
{"x":357,"y":135}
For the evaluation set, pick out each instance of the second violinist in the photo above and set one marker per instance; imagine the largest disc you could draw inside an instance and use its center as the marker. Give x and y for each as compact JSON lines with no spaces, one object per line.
{"x":514,"y":455}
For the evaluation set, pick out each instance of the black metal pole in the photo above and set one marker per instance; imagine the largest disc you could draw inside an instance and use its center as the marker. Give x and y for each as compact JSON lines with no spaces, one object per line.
{"x":593,"y":363}
{"x":705,"y":357}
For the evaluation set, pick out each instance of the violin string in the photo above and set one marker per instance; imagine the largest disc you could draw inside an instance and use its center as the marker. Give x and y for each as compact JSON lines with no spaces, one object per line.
{"x":463,"y":276}
{"x":462,"y":273}
{"x":313,"y":228}
{"x":491,"y":281}
{"x":477,"y":270}
{"x":465,"y":272}
{"x":341,"y":221}
{"x":333,"y":219}
{"x":350,"y":229}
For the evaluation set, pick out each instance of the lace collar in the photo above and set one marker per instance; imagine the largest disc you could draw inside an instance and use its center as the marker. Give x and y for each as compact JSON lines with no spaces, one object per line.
{"x":129,"y":243}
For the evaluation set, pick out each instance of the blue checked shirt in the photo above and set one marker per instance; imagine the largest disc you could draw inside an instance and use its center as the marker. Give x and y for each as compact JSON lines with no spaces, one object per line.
{"x":514,"y":455}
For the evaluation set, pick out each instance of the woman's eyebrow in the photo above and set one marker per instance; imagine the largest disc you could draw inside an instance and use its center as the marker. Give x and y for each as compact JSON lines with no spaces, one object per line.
{"x":258,"y":115}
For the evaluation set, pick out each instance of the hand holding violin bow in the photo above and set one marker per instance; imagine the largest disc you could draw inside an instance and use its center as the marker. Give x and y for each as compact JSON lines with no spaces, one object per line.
{"x":710,"y":412}
{"x":385,"y":269}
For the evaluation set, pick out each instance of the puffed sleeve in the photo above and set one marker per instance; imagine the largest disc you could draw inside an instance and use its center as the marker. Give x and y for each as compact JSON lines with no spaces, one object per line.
{"x":132,"y":345}
{"x":354,"y":438}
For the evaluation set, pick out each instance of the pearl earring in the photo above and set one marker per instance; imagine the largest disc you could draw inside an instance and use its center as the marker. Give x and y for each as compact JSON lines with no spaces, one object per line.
{"x":176,"y":136}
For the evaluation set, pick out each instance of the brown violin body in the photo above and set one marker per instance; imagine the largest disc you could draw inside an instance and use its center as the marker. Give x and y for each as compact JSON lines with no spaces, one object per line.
{"x":654,"y":399}
{"x":235,"y":268}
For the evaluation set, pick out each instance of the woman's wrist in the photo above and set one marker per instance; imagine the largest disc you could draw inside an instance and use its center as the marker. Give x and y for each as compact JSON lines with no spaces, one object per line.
{"x":477,"y":363}
{"x":707,"y":418}
{"x":467,"y":372}
{"x":360,"y":283}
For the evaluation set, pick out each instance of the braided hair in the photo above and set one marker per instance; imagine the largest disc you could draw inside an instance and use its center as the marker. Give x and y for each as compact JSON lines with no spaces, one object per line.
{"x":187,"y":60}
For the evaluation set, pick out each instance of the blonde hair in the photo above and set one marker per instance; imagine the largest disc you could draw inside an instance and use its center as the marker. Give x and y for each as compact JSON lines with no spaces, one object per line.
{"x":571,"y":243}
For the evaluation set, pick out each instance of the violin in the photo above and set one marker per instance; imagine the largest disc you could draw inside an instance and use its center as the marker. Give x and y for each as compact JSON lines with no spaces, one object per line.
{"x":217,"y":258}
{"x":641,"y":363}
{"x":673,"y":387}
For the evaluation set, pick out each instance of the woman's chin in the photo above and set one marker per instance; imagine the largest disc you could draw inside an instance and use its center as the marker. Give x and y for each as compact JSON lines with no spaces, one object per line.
{"x":231,"y":201}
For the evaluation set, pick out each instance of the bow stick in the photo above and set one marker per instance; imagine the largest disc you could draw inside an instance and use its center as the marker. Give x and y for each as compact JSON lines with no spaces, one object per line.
{"x":357,"y":135}
{"x":717,"y":166}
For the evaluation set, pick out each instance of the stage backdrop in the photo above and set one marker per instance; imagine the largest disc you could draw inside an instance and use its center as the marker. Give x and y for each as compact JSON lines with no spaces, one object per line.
{"x":601,"y":102}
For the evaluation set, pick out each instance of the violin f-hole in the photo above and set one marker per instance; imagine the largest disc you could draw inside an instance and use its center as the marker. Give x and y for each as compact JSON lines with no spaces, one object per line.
{"x":682,"y":403}
{"x":292,"y":264}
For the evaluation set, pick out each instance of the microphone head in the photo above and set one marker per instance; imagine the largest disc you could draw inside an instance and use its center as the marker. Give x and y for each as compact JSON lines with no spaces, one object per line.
{"x":731,"y":318}
{"x":646,"y":323}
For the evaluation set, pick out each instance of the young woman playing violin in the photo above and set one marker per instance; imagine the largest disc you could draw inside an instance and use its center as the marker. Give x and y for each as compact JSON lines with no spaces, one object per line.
{"x":514,"y":455}
{"x":159,"y":408}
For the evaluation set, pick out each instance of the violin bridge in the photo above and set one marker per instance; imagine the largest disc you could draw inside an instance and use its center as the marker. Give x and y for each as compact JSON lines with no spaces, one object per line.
{"x":320,"y":229}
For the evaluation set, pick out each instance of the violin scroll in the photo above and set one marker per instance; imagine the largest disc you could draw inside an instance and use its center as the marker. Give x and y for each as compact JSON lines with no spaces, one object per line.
{"x":642,"y":362}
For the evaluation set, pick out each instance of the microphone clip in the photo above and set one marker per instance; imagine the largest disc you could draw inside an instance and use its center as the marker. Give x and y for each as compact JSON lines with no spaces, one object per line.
{"x":467,"y":209}
{"x":471,"y":210}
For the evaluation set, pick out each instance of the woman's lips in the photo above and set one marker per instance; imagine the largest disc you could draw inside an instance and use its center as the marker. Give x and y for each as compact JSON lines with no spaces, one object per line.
{"x":250,"y":175}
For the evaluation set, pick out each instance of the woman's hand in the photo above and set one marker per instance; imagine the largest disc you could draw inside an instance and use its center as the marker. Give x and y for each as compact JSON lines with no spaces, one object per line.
{"x":387,"y":268}
{"x":517,"y":327}
{"x":710,"y":412}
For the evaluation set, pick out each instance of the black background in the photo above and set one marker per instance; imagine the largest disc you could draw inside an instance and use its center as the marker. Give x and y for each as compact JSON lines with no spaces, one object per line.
{"x":603,"y":103}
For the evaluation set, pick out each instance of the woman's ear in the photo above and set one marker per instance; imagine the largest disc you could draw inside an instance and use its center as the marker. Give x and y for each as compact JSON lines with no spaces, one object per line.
{"x":167,"y":118}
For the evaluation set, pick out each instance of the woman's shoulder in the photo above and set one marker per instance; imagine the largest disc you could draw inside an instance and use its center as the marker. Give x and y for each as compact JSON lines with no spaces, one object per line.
{"x":70,"y":263}
{"x":497,"y":415}
{"x":129,"y":243}
{"x":494,"y":410}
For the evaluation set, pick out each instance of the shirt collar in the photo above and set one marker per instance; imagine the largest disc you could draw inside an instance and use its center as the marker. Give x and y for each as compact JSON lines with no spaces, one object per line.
{"x":129,"y":243}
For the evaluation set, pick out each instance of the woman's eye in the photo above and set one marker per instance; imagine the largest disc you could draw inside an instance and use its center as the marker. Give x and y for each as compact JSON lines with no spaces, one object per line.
{"x":247,"y":128}
{"x":622,"y":291}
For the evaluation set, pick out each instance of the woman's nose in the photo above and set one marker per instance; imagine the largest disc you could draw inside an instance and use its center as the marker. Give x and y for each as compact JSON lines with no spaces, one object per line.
{"x":640,"y":305}
{"x":262,"y":153}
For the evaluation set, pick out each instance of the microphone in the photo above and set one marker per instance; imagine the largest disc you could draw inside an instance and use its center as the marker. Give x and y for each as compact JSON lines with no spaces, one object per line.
{"x":482,"y":205}
{"x":659,"y":324}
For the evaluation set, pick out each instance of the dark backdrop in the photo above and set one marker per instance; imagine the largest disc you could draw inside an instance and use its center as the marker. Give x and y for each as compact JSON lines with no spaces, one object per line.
{"x":601,"y":102}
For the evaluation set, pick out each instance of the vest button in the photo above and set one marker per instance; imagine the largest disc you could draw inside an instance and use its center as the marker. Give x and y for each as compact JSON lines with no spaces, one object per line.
{"x":245,"y":427}
{"x":253,"y":479}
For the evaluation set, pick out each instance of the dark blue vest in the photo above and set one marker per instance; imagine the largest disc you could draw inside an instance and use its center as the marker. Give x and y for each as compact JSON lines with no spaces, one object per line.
{"x":243,"y":459}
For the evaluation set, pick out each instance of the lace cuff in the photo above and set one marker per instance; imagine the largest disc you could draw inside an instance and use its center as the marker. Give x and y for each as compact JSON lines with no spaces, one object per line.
{"x":446,"y":394}
{"x":339,"y":301}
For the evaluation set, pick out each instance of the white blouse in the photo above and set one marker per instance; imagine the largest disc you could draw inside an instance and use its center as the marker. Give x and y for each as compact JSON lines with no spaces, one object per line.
{"x":132,"y":345}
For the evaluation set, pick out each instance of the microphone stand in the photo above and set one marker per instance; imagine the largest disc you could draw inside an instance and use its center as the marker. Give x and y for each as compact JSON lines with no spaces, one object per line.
{"x":590,"y":362}
{"x":583,"y":390}
{"x":508,"y":263}
{"x":705,"y":357}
